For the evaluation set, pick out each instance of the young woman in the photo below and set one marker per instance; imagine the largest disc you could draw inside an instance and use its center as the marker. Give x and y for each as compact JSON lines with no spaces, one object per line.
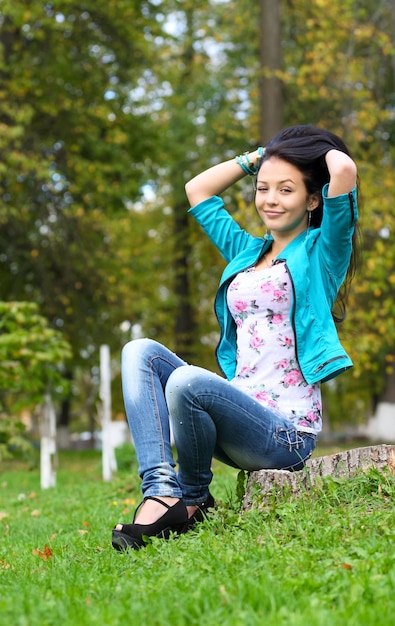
{"x":275,"y":306}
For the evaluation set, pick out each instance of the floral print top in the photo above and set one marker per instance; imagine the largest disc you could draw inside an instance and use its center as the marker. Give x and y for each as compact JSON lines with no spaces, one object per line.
{"x":267,"y":366}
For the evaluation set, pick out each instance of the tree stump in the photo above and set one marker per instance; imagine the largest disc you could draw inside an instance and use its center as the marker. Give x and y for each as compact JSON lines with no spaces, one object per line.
{"x":342,"y":464}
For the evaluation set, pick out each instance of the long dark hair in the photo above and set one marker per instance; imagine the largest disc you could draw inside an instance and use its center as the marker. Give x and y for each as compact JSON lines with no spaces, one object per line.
{"x":305,"y":147}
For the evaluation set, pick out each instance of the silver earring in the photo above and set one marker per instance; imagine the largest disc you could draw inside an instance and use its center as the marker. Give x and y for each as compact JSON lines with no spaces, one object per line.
{"x":309,"y":220}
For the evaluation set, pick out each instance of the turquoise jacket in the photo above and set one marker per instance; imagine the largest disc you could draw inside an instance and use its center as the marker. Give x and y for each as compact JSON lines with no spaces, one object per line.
{"x":317,"y":262}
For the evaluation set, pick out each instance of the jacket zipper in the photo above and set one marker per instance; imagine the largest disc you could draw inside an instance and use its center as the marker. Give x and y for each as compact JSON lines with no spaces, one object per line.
{"x":335,"y":358}
{"x":293,"y":311}
{"x":351,"y":199}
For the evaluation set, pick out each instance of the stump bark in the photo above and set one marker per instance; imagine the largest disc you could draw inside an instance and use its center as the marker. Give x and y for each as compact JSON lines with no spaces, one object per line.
{"x":342,"y":464}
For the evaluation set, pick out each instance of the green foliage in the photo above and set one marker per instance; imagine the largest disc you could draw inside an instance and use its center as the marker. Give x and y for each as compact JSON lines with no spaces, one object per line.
{"x":71,"y":142}
{"x":32,"y":355}
{"x":126,"y":458}
{"x":13,"y":442}
{"x":33,"y":358}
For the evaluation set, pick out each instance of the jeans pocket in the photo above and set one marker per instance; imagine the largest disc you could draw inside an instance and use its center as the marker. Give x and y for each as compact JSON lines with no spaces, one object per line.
{"x":293,"y":447}
{"x":289,"y":438}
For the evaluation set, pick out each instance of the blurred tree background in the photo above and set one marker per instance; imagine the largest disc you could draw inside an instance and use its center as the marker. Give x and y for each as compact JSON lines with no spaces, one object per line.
{"x":108,"y":107}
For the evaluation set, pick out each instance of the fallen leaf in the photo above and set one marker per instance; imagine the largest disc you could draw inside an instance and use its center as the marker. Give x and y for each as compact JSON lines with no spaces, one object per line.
{"x":82,"y":532}
{"x":347,"y":566}
{"x":45,"y":554}
{"x":3,"y":515}
{"x":35,"y":513}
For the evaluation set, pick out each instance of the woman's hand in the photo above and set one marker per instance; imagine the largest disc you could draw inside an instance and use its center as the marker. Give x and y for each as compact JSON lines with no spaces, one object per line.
{"x":342,"y":172}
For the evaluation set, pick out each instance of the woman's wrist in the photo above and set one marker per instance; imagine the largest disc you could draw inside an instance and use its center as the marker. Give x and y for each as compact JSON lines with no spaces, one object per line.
{"x":250,"y":162}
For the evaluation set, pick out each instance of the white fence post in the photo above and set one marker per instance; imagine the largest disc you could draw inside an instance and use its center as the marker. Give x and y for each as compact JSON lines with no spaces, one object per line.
{"x":48,"y":445}
{"x":109,"y":463}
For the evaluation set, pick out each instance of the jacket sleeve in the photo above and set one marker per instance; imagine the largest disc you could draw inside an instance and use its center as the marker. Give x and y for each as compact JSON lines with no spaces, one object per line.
{"x":339,"y":217}
{"x":221,"y":228}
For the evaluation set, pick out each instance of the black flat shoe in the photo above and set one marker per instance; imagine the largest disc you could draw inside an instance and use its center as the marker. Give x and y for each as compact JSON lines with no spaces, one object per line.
{"x":200,"y":514}
{"x":132,"y":535}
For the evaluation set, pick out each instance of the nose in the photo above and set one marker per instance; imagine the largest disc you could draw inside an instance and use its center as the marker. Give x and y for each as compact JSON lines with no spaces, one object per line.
{"x":271,"y":196}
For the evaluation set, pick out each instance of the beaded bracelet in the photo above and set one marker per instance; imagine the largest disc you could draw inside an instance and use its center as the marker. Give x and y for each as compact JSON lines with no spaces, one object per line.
{"x":246,"y":165}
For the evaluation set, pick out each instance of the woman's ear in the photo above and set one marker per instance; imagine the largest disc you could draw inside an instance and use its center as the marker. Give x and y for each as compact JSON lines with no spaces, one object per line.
{"x":313,"y":202}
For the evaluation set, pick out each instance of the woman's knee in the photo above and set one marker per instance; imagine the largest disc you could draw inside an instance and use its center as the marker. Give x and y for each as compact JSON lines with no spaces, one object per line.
{"x":137,"y":347}
{"x":178,"y":379}
{"x":188,"y":380}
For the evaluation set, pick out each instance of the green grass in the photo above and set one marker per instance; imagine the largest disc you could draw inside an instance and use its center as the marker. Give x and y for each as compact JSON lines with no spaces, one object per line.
{"x":326,"y":558}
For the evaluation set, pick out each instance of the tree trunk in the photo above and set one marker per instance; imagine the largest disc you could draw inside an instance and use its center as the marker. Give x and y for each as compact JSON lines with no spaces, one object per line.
{"x":63,"y":421}
{"x":270,"y":85}
{"x":393,"y":38}
{"x":343,"y":464}
{"x":184,"y":318}
{"x":184,"y":326}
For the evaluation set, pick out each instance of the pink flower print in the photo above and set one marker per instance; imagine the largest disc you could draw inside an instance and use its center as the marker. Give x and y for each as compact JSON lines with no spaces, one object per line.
{"x":255,"y":341}
{"x":282,"y":365}
{"x":234,"y":285}
{"x":267,"y":287}
{"x":268,"y":398}
{"x":262,"y":396}
{"x":279,"y":295}
{"x":246,"y":371}
{"x":285,"y":342}
{"x":312,"y":416}
{"x":274,"y":318}
{"x":304,"y":423}
{"x":280,"y":292}
{"x":243,"y":310}
{"x":293,"y":377}
{"x":240,"y":306}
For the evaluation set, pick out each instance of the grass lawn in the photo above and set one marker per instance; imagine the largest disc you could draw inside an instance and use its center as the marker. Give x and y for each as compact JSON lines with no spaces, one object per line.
{"x":326,"y":558}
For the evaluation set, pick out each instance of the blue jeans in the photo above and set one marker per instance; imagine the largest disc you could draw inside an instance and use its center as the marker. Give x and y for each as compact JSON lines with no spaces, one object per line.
{"x":209,"y":418}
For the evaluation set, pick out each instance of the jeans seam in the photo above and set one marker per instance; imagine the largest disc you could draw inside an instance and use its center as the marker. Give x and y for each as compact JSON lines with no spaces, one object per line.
{"x":157,"y":414}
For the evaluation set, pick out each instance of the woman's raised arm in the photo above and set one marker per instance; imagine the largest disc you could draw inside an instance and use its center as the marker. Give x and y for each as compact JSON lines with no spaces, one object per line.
{"x":213,"y":181}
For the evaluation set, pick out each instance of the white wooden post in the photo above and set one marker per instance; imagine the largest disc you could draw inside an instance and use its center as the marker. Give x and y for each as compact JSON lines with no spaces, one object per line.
{"x":48,"y":445}
{"x":108,"y":455}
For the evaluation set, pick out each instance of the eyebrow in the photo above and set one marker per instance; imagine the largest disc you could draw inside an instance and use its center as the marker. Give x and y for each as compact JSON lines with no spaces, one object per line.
{"x":281,"y":182}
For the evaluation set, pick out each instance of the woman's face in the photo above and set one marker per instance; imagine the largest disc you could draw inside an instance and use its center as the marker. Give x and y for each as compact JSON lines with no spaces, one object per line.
{"x":282,"y":199}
